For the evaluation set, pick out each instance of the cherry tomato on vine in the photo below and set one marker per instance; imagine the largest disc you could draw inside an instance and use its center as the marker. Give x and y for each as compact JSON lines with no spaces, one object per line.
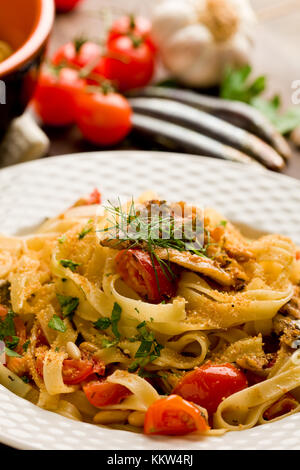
{"x":79,"y":53}
{"x":130,"y":62}
{"x":55,"y":96}
{"x":104,"y":117}
{"x":209,"y":384}
{"x":64,"y":6}
{"x":174,"y":416}
{"x":136,"y":25}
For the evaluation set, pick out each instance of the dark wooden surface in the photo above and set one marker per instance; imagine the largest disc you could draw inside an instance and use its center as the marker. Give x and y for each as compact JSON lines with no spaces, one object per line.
{"x":277,"y":41}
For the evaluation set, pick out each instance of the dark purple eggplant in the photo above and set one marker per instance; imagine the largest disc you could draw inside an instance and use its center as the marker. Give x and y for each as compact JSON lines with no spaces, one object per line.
{"x":208,"y":125}
{"x":175,"y":137}
{"x":237,"y":113}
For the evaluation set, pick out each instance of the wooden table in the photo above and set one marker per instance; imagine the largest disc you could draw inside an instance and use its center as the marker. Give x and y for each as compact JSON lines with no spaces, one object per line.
{"x":276,"y":54}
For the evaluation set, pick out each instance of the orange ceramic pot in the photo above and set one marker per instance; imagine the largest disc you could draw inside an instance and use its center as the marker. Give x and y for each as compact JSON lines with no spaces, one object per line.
{"x":26,"y":26}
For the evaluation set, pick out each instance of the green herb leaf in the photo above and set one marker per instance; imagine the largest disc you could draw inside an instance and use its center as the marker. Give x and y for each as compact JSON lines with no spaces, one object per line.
{"x":25,"y":379}
{"x":84,"y":232}
{"x":102,"y":323}
{"x":62,"y":239}
{"x":67,"y":263}
{"x":68,"y":304}
{"x":11,"y":353}
{"x":106,"y":343}
{"x":13,"y":342}
{"x":115,"y":318}
{"x":26,"y":345}
{"x":7,"y":326}
{"x":57,"y":324}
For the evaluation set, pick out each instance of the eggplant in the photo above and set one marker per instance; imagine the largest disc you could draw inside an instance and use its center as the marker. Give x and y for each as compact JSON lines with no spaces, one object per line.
{"x":237,"y":113}
{"x":204,"y":123}
{"x":175,"y":137}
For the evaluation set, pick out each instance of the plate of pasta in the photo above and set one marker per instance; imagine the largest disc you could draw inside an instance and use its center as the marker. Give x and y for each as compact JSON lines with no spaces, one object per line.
{"x":149,"y":300}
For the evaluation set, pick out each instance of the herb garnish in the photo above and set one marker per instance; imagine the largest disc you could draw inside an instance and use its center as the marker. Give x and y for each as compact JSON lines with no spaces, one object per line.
{"x":148,"y":351}
{"x":11,"y":353}
{"x":68,"y":304}
{"x":236,"y":86}
{"x":7,"y":326}
{"x":12,"y":342}
{"x":67,"y":263}
{"x":57,"y":324}
{"x":102,"y":323}
{"x":26,"y":345}
{"x":84,"y":232}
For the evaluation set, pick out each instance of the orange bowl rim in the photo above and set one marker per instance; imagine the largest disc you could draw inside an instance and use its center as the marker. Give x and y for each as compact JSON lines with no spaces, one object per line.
{"x":34,"y":42}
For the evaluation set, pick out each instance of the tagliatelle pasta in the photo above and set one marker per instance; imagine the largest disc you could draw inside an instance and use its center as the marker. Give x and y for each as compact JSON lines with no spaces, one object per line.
{"x":192,"y":331}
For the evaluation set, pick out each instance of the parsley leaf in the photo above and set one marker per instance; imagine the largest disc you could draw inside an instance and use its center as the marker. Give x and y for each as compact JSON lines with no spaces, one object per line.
{"x":237,"y":86}
{"x":68,"y":304}
{"x":106,"y":343}
{"x":13,"y":342}
{"x":148,"y":351}
{"x":67,"y":263}
{"x":7,"y":326}
{"x":11,"y":353}
{"x":115,"y":318}
{"x":102,"y":323}
{"x":57,"y":324}
{"x":26,"y":345}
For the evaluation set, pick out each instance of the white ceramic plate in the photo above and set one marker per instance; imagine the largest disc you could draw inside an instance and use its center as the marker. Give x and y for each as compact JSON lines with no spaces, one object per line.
{"x":252,"y":196}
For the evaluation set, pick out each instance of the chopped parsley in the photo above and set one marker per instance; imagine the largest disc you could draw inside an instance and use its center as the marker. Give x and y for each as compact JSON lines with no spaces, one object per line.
{"x":57,"y":324}
{"x":67,"y":263}
{"x":148,"y":351}
{"x":7,"y":326}
{"x":102,"y":323}
{"x":115,"y":318}
{"x":26,"y":345}
{"x":106,"y":343}
{"x":68,"y":304}
{"x":11,"y":353}
{"x":223,"y":223}
{"x":25,"y":379}
{"x":62,"y":239}
{"x":12,"y":342}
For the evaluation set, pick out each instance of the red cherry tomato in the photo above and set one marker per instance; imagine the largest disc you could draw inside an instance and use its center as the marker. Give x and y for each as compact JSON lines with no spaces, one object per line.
{"x":64,"y":6}
{"x":145,"y":276}
{"x":75,"y":371}
{"x":138,"y":26}
{"x":102,"y":394}
{"x":174,"y":416}
{"x":208,"y":385}
{"x":55,"y":96}
{"x":103,"y":118}
{"x":78,"y":53}
{"x":130,"y":62}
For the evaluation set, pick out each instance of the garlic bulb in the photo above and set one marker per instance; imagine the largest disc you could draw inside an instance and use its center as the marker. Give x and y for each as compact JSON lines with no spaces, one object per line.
{"x":199,"y":38}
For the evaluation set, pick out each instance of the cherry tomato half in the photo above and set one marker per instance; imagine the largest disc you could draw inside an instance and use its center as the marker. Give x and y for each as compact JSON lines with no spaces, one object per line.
{"x":174,"y":416}
{"x":130,"y":62}
{"x":145,"y":275}
{"x":3,"y":311}
{"x":64,"y":6}
{"x":103,"y":118}
{"x":55,"y":96}
{"x":102,"y":394}
{"x":209,"y":384}
{"x":136,"y":25}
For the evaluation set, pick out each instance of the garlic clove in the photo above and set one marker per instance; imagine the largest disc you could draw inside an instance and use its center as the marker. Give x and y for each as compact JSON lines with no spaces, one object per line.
{"x":170,"y":17}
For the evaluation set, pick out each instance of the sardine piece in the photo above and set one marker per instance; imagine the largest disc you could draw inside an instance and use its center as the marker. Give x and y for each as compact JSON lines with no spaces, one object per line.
{"x":211,"y":126}
{"x":198,"y":264}
{"x":237,"y":113}
{"x":176,"y":137}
